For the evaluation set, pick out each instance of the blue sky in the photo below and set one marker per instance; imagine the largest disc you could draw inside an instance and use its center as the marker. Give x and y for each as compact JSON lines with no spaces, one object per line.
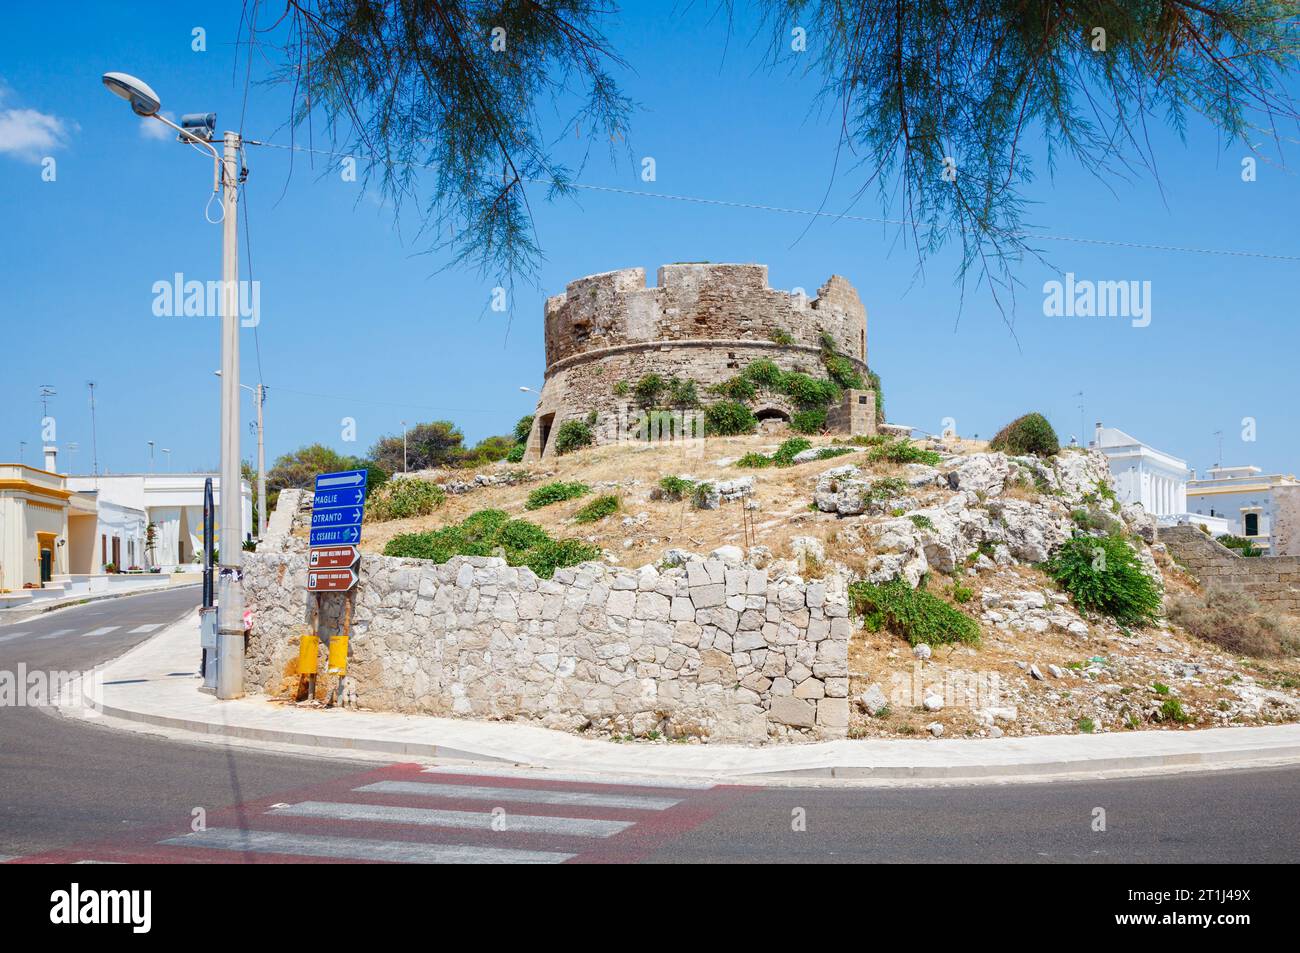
{"x":358,"y":322}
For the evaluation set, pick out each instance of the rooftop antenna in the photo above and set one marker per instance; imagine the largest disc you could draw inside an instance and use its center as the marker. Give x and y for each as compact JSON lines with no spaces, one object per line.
{"x":72,"y":449}
{"x":47,"y":391}
{"x":22,"y":448}
{"x":94,"y":438}
{"x":1219,"y":434}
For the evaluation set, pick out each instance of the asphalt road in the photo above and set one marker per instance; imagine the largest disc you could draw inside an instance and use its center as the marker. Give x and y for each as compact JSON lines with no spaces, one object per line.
{"x":74,"y":790}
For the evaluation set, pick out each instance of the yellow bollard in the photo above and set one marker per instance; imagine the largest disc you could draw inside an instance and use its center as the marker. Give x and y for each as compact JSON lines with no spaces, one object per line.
{"x":307,"y":649}
{"x":338,"y":659}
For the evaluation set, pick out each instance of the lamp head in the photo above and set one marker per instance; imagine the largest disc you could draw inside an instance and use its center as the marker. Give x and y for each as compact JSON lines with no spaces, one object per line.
{"x":144,"y":101}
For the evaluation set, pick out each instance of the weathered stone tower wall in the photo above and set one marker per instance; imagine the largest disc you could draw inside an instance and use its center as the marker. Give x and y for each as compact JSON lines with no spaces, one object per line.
{"x":703,"y":322}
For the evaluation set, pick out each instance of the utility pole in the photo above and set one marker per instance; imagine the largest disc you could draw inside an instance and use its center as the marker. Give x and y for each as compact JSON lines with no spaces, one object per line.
{"x":22,"y":450}
{"x":94,"y":439}
{"x":1219,"y":434}
{"x":230,"y":591}
{"x":404,"y":446}
{"x":261,"y":464}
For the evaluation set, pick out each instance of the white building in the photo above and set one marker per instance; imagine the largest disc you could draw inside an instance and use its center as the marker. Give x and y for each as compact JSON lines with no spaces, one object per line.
{"x":1143,"y":474}
{"x":172,"y":502}
{"x":1246,"y":499}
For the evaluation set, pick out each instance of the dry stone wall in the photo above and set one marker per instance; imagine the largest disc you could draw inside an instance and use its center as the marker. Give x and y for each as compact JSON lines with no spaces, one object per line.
{"x":712,"y":650}
{"x":1274,"y":581}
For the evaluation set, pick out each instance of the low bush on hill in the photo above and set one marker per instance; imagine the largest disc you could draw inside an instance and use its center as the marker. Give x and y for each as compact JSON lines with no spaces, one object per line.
{"x":556,"y":492}
{"x":1103,"y":574}
{"x":902,"y":451}
{"x":573,"y":435}
{"x":402,"y":499}
{"x":727,"y":418}
{"x":493,"y":533}
{"x":1236,"y":622}
{"x":598,"y":509}
{"x":914,"y":614}
{"x":1030,"y":434}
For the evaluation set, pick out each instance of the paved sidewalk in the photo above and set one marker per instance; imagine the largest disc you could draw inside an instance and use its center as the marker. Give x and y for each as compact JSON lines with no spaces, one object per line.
{"x":155,"y":684}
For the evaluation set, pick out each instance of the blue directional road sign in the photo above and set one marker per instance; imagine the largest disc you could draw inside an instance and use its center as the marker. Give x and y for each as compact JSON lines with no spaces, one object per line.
{"x":338,"y":508}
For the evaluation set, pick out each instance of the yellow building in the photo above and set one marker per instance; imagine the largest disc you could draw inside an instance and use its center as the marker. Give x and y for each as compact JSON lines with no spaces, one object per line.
{"x":35,"y":506}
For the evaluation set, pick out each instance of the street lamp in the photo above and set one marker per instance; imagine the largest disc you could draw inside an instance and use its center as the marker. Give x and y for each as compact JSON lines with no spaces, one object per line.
{"x":150,"y":442}
{"x":259,"y":395}
{"x":168,"y":451}
{"x":226,"y":171}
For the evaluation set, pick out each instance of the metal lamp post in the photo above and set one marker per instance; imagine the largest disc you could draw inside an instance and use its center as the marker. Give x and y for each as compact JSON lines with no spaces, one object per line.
{"x":230,"y":597}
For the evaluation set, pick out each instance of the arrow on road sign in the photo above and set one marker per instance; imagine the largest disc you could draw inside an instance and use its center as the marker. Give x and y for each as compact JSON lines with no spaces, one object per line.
{"x":330,"y":580}
{"x":336,"y":516}
{"x":345,"y":478}
{"x":334,"y":535}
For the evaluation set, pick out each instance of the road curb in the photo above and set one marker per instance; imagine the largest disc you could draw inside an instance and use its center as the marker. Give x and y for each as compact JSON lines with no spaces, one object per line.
{"x":1246,"y":755}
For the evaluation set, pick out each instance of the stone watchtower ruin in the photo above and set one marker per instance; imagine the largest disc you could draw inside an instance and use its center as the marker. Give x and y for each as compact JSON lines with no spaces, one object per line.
{"x":703,"y":323}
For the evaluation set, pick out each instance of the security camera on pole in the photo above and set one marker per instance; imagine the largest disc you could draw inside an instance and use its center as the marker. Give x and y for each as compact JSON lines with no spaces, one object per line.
{"x":230,"y":596}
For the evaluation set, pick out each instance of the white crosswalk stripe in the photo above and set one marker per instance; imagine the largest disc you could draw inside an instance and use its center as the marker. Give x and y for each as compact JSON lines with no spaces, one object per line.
{"x":631,"y":780}
{"x":356,"y":848}
{"x":465,"y":820}
{"x":473,"y":792}
{"x":53,"y":635}
{"x":11,"y":636}
{"x":148,"y":627}
{"x":104,"y":631}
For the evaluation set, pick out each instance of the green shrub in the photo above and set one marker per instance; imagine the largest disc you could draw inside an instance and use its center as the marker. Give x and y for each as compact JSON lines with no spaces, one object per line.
{"x":921,"y":522}
{"x":483,"y":526}
{"x":728,"y":418}
{"x":912,"y":613}
{"x":1087,"y":725}
{"x":785,"y":454}
{"x":736,"y":388}
{"x":521,"y":534}
{"x":962,"y":594}
{"x":783,"y":338}
{"x":622,"y":388}
{"x":401,"y":499}
{"x":809,"y":421}
{"x":1242,"y":545}
{"x":492,"y":531}
{"x":555,"y":554}
{"x":825,"y":453}
{"x":523,"y":429}
{"x":766,"y":374}
{"x":556,"y":492}
{"x":700,"y":495}
{"x":1030,"y":434}
{"x":573,"y":435}
{"x":754,"y":461}
{"x":809,"y":391}
{"x":675,"y":488}
{"x":903,"y":451}
{"x":1236,"y":622}
{"x":1103,"y":574}
{"x":649,"y":389}
{"x":516,"y":454}
{"x":682,"y":393}
{"x":597,"y":509}
{"x":1172,"y":710}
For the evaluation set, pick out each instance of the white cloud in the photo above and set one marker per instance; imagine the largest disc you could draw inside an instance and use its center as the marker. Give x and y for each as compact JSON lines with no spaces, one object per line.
{"x":31,"y":135}
{"x":151,"y":128}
